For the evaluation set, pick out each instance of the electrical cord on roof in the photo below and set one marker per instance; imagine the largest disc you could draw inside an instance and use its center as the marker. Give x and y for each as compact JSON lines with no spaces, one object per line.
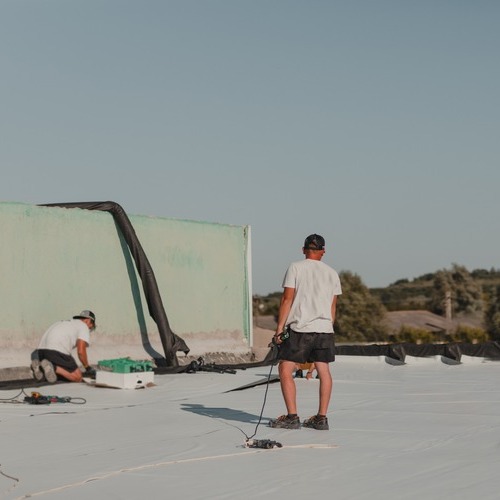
{"x":263,"y":405}
{"x":262,"y":443}
{"x":39,"y":399}
{"x":13,"y":399}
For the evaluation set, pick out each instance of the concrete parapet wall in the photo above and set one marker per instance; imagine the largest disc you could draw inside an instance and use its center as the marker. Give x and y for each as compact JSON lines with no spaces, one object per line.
{"x":54,"y":262}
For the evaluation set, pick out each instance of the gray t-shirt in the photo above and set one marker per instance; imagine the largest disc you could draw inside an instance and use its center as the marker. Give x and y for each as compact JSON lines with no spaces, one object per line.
{"x":315,"y":283}
{"x":62,"y":336}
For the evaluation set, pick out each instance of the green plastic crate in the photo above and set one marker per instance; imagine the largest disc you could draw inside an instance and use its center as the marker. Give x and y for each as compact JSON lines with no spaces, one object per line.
{"x":126,"y":365}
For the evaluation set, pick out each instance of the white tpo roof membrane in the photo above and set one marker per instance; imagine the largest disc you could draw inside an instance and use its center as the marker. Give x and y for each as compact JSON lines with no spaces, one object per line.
{"x":422,"y":430}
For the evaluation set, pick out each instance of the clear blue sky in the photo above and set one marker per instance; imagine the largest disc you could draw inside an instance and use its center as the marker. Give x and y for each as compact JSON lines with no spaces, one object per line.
{"x":373,"y":123}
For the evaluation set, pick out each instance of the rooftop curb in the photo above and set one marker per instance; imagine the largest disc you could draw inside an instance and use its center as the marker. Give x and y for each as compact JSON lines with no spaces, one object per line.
{"x":223,"y":358}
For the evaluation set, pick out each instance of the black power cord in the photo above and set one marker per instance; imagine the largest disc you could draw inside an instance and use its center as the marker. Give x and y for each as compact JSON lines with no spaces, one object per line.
{"x":39,"y":399}
{"x":13,"y":399}
{"x":263,"y":443}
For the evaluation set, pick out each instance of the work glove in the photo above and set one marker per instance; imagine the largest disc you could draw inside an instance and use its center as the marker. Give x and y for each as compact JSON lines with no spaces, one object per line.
{"x":89,"y":372}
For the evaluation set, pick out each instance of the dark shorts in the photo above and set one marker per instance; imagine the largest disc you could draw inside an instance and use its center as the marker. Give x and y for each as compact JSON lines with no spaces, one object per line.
{"x":308,"y":347}
{"x":57,"y":358}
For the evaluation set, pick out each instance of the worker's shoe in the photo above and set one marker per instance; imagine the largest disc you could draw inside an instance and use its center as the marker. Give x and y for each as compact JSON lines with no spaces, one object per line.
{"x":37,"y":372}
{"x":285,"y":422}
{"x":48,"y":371}
{"x":318,"y":422}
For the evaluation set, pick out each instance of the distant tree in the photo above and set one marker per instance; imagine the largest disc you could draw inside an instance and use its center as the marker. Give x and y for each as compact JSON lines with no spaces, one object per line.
{"x":492,"y":315}
{"x":466,"y":293}
{"x":425,"y":277}
{"x":486,"y":274}
{"x":360,"y":315}
{"x":266,"y":305}
{"x":401,"y":281}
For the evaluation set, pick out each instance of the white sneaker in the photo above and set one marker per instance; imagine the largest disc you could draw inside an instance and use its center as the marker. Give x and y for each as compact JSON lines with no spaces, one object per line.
{"x":37,"y":372}
{"x":48,"y":371}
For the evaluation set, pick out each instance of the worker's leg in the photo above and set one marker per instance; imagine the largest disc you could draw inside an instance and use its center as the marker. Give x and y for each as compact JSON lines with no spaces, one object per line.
{"x":288,"y":388}
{"x":74,"y":376}
{"x":325,"y":386}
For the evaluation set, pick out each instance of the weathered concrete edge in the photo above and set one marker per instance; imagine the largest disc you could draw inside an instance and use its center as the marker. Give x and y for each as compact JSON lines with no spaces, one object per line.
{"x":223,"y":358}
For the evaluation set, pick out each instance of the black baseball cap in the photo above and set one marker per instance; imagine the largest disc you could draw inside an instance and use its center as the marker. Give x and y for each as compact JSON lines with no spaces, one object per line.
{"x":314,"y":242}
{"x":86,"y":315}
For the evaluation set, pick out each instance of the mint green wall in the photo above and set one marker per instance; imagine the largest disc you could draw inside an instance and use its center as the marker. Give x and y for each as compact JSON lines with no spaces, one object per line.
{"x":55,"y":262}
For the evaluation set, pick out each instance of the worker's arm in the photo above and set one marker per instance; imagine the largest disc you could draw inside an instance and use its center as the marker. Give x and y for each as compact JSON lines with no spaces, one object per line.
{"x":334,"y":308}
{"x":81,"y":349}
{"x":285,"y":306}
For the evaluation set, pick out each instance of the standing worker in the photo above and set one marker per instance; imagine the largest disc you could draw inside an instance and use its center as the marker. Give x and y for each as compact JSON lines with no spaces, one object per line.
{"x":307,"y":313}
{"x":53,"y":357}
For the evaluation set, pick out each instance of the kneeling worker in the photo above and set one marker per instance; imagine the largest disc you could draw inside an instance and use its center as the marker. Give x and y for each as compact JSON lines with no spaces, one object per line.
{"x":53,"y":357}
